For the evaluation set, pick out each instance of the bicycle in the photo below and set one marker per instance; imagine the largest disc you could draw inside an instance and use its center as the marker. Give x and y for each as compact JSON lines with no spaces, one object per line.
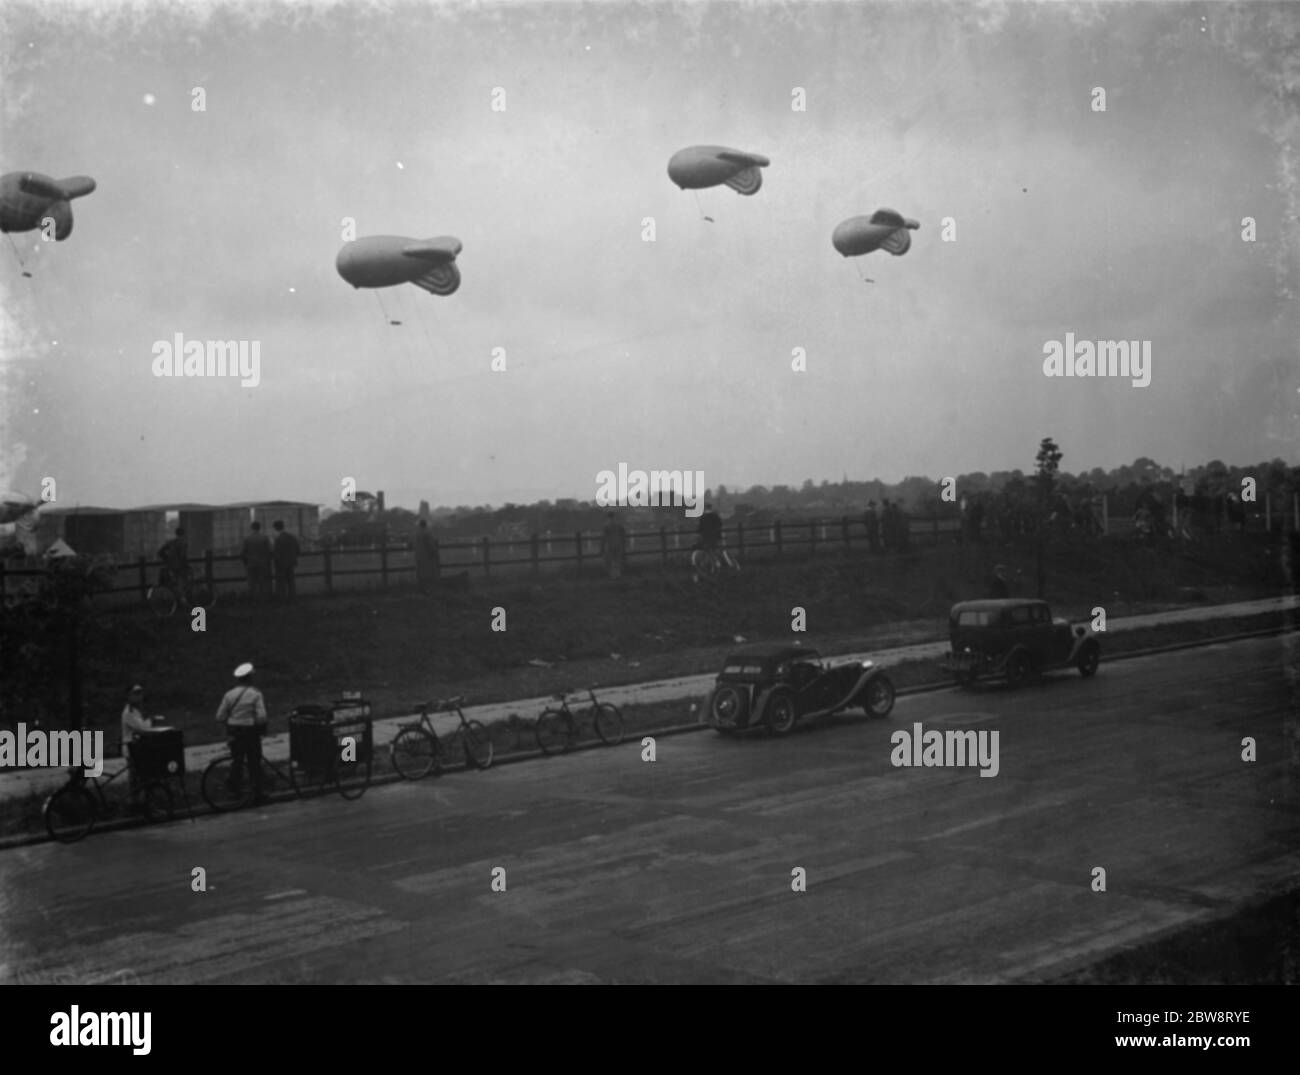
{"x":710,"y":562}
{"x":417,"y":749}
{"x":560,"y":729}
{"x":170,"y":594}
{"x":74,"y":809}
{"x":319,"y":750}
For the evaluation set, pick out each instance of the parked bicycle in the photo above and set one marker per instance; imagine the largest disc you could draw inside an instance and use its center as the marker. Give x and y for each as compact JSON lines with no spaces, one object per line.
{"x":225,"y":789}
{"x":72,"y":811}
{"x":328,"y":748}
{"x":171,"y":593}
{"x":417,"y":750}
{"x":562,"y":728}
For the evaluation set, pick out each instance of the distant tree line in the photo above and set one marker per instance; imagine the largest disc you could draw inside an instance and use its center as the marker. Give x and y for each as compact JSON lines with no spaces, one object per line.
{"x":1007,"y":500}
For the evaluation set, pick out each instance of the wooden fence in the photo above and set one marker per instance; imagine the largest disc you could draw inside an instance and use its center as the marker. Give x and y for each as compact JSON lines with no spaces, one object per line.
{"x":328,"y":570}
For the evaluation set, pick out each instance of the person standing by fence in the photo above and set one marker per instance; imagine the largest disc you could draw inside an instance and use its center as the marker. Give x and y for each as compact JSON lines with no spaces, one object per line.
{"x":614,"y":546}
{"x":873,"y":526}
{"x":427,"y":561}
{"x":257,"y":557}
{"x":285,"y":552}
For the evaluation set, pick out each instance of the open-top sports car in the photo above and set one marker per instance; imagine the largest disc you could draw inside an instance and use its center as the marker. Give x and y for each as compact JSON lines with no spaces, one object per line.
{"x":1016,"y":638}
{"x":776,"y":685}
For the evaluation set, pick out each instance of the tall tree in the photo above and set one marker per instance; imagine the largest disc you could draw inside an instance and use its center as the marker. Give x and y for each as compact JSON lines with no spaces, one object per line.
{"x":1047,"y":465}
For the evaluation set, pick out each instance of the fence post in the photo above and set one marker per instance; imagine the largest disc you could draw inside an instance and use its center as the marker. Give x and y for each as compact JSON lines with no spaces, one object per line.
{"x":740,"y":538}
{"x":844,"y":530}
{"x":329,"y":575}
{"x":663,"y":544}
{"x":812,"y":537}
{"x":1268,"y":513}
{"x":936,"y":530}
{"x":577,"y":538}
{"x":383,"y":561}
{"x":487,"y":556}
{"x":209,"y":577}
{"x":534,"y":552}
{"x":776,"y":537}
{"x":1295,"y":509}
{"x":1105,"y":513}
{"x":143,"y":565}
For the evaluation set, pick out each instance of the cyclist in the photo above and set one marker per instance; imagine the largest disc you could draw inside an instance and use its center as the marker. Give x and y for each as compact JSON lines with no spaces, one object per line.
{"x":709,"y":536}
{"x":710,"y":529}
{"x":243,"y":712}
{"x":175,"y":557}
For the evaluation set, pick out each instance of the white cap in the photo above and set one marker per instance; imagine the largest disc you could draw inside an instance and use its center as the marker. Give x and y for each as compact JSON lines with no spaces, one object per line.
{"x":243,"y":670}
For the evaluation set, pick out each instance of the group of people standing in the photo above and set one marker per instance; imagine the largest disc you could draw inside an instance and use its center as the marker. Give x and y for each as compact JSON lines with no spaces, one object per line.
{"x":263,"y":557}
{"x":888,"y":528}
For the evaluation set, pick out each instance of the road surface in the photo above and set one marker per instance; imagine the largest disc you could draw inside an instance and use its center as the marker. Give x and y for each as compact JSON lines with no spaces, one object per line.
{"x":618,"y":869}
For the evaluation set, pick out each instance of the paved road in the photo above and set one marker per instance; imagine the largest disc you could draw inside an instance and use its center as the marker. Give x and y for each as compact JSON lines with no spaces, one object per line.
{"x":622,"y":870}
{"x":16,"y":784}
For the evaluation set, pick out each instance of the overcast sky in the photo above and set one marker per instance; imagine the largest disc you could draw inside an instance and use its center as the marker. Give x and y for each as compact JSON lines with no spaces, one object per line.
{"x":672,"y":354}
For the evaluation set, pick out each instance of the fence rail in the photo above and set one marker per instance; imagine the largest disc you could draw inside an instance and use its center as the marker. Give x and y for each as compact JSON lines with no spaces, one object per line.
{"x":341,"y":567}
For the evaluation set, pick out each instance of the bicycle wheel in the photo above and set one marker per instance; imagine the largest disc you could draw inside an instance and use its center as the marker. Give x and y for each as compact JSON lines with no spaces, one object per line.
{"x":162,"y":600}
{"x":609,"y":724}
{"x":70,"y":813}
{"x":414,"y":754}
{"x":551,"y":732}
{"x":220,"y":790}
{"x":353,"y":777}
{"x":477,"y":742}
{"x":310,"y":778}
{"x":157,"y":802}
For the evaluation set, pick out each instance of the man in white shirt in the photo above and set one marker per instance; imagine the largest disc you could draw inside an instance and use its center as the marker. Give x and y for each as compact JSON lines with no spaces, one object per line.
{"x":135,"y":723}
{"x":243,"y":712}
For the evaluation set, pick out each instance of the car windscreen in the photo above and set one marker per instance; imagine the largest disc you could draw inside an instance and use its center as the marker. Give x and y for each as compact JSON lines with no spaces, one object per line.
{"x":975,"y":618}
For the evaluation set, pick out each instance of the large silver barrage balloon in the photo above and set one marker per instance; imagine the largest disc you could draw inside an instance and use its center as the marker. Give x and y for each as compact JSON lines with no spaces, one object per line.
{"x":711,"y":166}
{"x":28,"y":199}
{"x":883,"y":230}
{"x":388,"y":260}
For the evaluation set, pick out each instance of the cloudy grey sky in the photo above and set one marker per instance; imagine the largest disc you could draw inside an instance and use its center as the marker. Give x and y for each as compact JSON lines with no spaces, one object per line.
{"x":224,"y":224}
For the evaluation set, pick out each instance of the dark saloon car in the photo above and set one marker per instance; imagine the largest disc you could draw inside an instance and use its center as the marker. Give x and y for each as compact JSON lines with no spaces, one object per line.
{"x":776,"y":685}
{"x":1016,"y":638}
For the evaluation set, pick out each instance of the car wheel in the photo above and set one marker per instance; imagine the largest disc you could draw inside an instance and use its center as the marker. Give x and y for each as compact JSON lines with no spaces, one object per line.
{"x":1089,"y":659}
{"x":727,"y":707}
{"x":878,"y":696}
{"x":1019,"y":669}
{"x":782,"y":715}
